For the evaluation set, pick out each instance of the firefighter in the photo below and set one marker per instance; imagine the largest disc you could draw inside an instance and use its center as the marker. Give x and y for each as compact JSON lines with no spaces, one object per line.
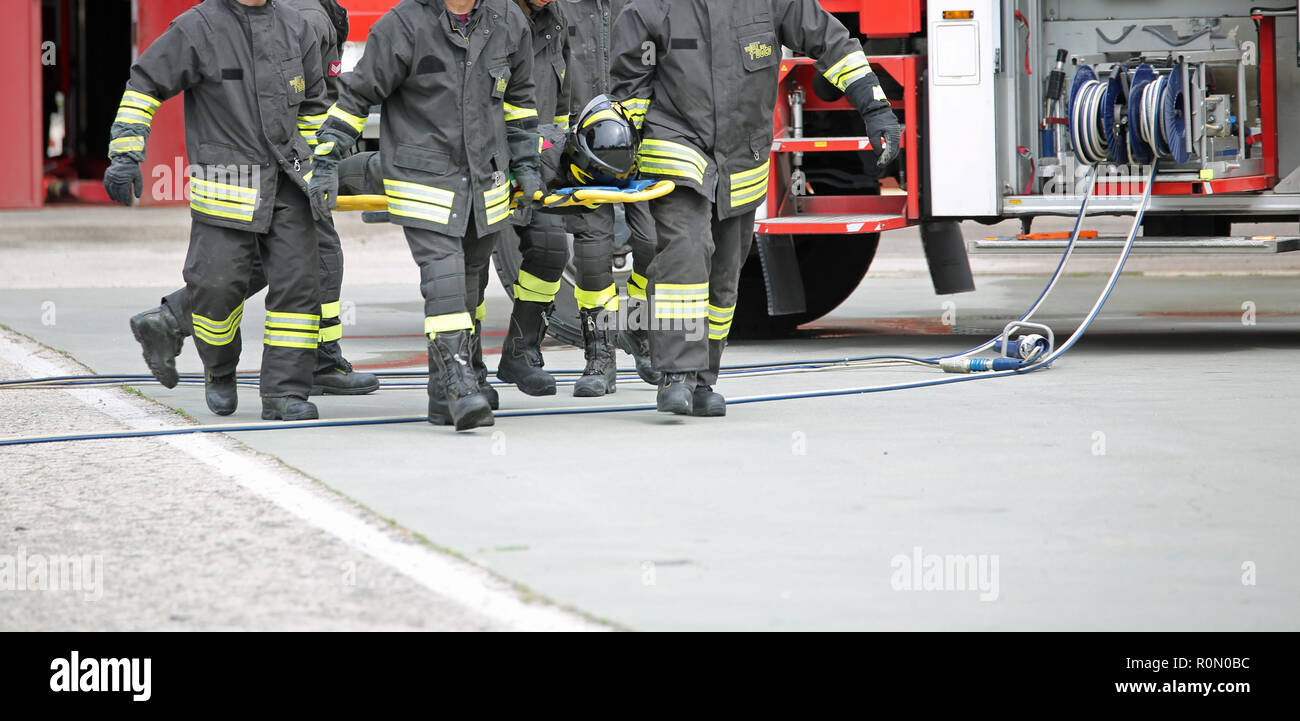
{"x":454,"y":78}
{"x":542,"y":239}
{"x":162,"y":330}
{"x":590,"y":22}
{"x":706,"y":99}
{"x":251,"y":73}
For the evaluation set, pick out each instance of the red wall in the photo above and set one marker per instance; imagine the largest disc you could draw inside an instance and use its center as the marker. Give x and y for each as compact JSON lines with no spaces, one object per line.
{"x":20,"y":86}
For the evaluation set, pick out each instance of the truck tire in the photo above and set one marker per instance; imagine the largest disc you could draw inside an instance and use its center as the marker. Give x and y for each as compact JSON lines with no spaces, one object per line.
{"x":832,"y":267}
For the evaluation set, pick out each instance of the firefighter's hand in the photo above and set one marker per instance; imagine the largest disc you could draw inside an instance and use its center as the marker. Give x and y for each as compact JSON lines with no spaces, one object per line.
{"x":324,"y":187}
{"x":530,"y":184}
{"x":886,"y":134}
{"x":123,"y":180}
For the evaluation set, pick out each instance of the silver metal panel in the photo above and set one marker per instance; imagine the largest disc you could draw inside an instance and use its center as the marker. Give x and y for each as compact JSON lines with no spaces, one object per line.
{"x":1162,"y":246}
{"x":1238,"y":204}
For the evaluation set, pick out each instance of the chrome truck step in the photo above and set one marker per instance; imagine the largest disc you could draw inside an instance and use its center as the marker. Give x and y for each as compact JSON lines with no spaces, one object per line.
{"x":1258,"y":245}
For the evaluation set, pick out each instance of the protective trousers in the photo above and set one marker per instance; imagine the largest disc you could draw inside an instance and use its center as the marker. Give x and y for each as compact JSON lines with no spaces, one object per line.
{"x":450,"y":273}
{"x":593,"y":258}
{"x":330,"y":251}
{"x":217,"y":272}
{"x":693,"y":282}
{"x":544,"y":245}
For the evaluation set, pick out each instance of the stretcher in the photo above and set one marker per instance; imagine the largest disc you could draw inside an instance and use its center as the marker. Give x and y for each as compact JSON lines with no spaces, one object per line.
{"x":587,"y":196}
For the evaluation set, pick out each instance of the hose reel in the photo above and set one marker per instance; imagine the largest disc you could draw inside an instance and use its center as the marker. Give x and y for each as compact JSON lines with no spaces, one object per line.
{"x":1132,"y":117}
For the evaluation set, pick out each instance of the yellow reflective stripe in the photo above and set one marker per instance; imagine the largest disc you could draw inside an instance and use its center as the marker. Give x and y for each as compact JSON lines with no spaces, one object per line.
{"x":293,"y":321}
{"x":606,"y":114}
{"x":515,"y":112}
{"x":223,"y":191}
{"x":309,"y":136}
{"x":141,"y":100}
{"x":218,"y":209}
{"x":312,"y":121}
{"x":480,"y":312}
{"x":562,"y":121}
{"x":675,"y":151}
{"x":680,"y":170}
{"x":331,"y":333}
{"x":696,"y":309}
{"x":133,"y":116}
{"x":419,"y":211}
{"x":281,"y":341}
{"x":215,"y":332}
{"x":307,"y":178}
{"x":356,"y":122}
{"x":127,"y":144}
{"x":682,"y":290}
{"x":497,"y":204}
{"x":531,"y":288}
{"x":878,"y":93}
{"x":848,"y":70}
{"x":745,"y":196}
{"x":719,"y":332}
{"x":590,"y":299}
{"x":331,"y":310}
{"x":661,"y":157}
{"x":434,"y":325}
{"x":324,"y":148}
{"x":422,"y":193}
{"x":750,"y":176}
{"x":636,"y":110}
{"x":720,"y":314}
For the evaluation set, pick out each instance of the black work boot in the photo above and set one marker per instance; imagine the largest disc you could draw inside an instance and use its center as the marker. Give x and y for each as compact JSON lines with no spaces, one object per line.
{"x":636,"y":343}
{"x":454,"y":397}
{"x":221,"y":393}
{"x":521,"y":355}
{"x":481,"y":371}
{"x":161,"y":340}
{"x":601,"y":373}
{"x":289,"y":408}
{"x":677,"y":393}
{"x":707,"y":403}
{"x":335,"y":377}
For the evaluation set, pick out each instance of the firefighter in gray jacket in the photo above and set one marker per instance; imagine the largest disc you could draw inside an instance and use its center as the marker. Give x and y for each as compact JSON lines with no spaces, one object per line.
{"x":542,"y":238}
{"x":251,"y":74}
{"x":706,"y":101}
{"x":454,"y":78}
{"x":590,"y":23}
{"x":162,"y":331}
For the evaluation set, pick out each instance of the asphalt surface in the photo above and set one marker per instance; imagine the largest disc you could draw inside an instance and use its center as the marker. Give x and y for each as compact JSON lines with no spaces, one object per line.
{"x":1147,"y":481}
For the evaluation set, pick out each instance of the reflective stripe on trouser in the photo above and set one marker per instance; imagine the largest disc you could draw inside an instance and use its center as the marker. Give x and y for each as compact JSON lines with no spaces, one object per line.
{"x":289,"y":254}
{"x":450,"y":272}
{"x":330,"y":251}
{"x":544,"y":245}
{"x":593,"y":255}
{"x":694,"y":245}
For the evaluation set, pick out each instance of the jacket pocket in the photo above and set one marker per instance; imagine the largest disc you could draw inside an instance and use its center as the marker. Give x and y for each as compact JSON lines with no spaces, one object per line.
{"x":295,"y":81}
{"x":759,"y":51}
{"x":500,"y":81}
{"x":413,"y":157}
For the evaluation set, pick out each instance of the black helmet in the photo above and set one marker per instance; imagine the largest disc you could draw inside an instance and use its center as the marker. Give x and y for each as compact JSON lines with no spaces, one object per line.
{"x":602,"y":145}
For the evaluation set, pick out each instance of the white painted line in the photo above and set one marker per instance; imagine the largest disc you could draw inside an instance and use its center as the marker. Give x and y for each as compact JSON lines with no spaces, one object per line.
{"x":462,"y":582}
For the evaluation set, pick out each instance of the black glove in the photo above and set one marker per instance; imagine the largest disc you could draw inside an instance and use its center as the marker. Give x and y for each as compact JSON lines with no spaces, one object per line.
{"x":123,"y":180}
{"x":530,"y":183}
{"x":886,"y":134}
{"x":324,"y":186}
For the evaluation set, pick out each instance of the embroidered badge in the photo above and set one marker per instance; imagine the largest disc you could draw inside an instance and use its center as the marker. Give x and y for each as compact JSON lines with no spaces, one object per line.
{"x":298,"y":84}
{"x":758,"y":50}
{"x":501,"y":85}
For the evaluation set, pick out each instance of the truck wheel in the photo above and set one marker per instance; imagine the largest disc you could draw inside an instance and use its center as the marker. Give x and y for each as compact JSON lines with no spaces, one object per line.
{"x":832,"y":267}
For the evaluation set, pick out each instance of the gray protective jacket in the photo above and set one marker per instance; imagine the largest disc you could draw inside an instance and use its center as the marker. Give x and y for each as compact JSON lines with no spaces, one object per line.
{"x":551,"y":64}
{"x":707,"y":96}
{"x":590,"y":25}
{"x":251,"y":78}
{"x":459,"y":112}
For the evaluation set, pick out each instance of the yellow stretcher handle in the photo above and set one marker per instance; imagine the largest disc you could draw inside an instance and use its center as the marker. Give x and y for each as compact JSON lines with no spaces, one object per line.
{"x":588,"y":198}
